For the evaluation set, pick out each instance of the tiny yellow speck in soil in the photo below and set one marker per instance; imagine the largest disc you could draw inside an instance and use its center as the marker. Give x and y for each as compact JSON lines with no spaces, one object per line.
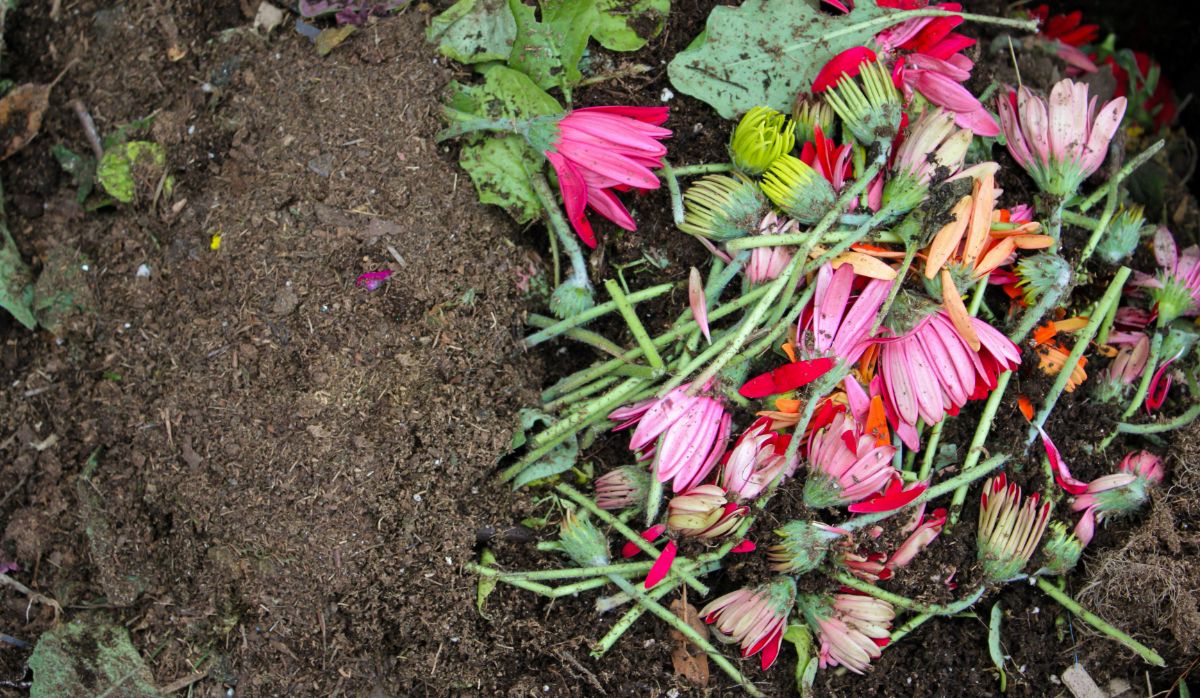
{"x":216,"y":242}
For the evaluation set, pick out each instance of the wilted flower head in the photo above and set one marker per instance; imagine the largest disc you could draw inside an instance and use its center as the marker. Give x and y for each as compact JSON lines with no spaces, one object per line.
{"x":1062,"y":550}
{"x":1009,"y":528}
{"x":686,"y":434}
{"x":872,"y":110}
{"x":767,"y":263}
{"x":722,"y":208}
{"x":853,"y":628}
{"x":1065,"y":33}
{"x":756,"y":460}
{"x":1124,"y":370}
{"x":755,"y":618}
{"x":1062,"y":143}
{"x":622,"y":488}
{"x":932,"y":143}
{"x":1123,"y":235}
{"x":1176,"y":287}
{"x":1114,"y":495}
{"x":810,"y":113}
{"x":582,"y":541}
{"x":802,"y":546}
{"x":762,"y":135}
{"x":846,"y":464}
{"x":799,"y":190}
{"x":704,"y":512}
{"x":597,"y":149}
{"x":928,"y":528}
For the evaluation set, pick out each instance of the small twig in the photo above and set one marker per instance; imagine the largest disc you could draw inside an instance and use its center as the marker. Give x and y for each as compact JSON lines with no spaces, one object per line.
{"x":89,"y":128}
{"x":32,"y":595}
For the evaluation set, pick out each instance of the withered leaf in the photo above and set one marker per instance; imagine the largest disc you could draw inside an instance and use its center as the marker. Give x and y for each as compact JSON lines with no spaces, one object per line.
{"x":21,"y":117}
{"x":689,"y":661}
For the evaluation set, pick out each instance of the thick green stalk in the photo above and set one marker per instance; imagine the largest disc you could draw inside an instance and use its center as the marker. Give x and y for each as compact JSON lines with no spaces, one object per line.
{"x":1136,"y":162}
{"x":975,"y":450}
{"x":1098,"y":623}
{"x":1083,"y":339}
{"x":586,"y":391}
{"x":964,"y":478}
{"x":635,"y":324}
{"x":626,"y":568}
{"x":1161,"y":427}
{"x":592,"y":313}
{"x":907,"y":603}
{"x":592,"y":339}
{"x":566,"y":236}
{"x":1110,"y":207}
{"x":626,"y":621}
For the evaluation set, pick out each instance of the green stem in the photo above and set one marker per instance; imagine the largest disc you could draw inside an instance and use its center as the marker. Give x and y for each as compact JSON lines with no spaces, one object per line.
{"x":1138,"y":160}
{"x":907,"y":603}
{"x":1098,"y":623}
{"x":976,"y":448}
{"x":931,"y":449}
{"x":1079,"y":220}
{"x":964,"y":478}
{"x":1160,"y":427}
{"x":688,"y":632}
{"x":635,"y":325}
{"x":592,"y":339}
{"x":910,"y":252}
{"x":626,"y":568}
{"x":1148,"y":375}
{"x":592,"y":313}
{"x":1110,"y":207}
{"x":1109,"y":319}
{"x":1035,"y":314}
{"x":576,"y":396}
{"x":668,"y":175}
{"x":626,"y":621}
{"x":706,"y":168}
{"x":894,"y":18}
{"x":908,"y":627}
{"x":718,"y":345}
{"x":566,"y":236}
{"x":1083,"y":339}
{"x":632,"y":535}
{"x":1054,"y":225}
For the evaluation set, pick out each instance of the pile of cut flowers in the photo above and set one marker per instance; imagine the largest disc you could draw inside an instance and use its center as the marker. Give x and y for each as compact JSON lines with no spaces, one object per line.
{"x":868,"y":280}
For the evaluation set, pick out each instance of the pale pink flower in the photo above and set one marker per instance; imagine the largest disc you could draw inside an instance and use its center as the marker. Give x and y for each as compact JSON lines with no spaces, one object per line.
{"x":1125,"y":369}
{"x":1062,"y":143}
{"x":767,"y":263}
{"x":602,"y":148}
{"x":755,"y":618}
{"x":846,"y":465}
{"x":1112,"y":495}
{"x":940,"y":81}
{"x":621,"y":488}
{"x":852,"y":628}
{"x":928,"y":528}
{"x":1176,"y":287}
{"x":932,"y":370}
{"x":685,"y":433}
{"x":703,"y":512}
{"x":756,"y":460}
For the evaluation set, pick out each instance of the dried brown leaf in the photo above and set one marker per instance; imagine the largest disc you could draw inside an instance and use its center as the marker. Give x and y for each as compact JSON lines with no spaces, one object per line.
{"x":689,"y":661}
{"x":21,"y":117}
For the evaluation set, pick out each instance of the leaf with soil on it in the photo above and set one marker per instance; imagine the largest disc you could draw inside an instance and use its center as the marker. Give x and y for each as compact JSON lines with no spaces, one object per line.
{"x":689,"y":661}
{"x":16,"y":281}
{"x":89,"y":658}
{"x":21,"y":114}
{"x":626,"y":25}
{"x":475,"y":31}
{"x":134,"y":171}
{"x":765,"y":52}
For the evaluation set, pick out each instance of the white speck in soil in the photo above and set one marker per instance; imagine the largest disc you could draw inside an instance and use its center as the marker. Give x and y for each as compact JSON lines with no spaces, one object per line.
{"x":449,"y":561}
{"x":416,"y":497}
{"x":667,"y":95}
{"x":143,"y":271}
{"x":85,"y":267}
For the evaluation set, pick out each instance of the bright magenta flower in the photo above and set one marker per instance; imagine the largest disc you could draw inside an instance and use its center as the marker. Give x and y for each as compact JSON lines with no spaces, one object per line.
{"x":1176,"y":287}
{"x":758,"y":457}
{"x":602,"y":148}
{"x":853,"y":628}
{"x":1062,"y":143}
{"x":1110,"y":496}
{"x":685,"y":433}
{"x":940,"y":81}
{"x":932,"y":370}
{"x":755,"y":618}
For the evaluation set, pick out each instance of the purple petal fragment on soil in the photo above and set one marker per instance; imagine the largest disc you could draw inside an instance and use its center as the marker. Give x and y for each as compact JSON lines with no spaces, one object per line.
{"x":348,"y":11}
{"x":373,"y":279}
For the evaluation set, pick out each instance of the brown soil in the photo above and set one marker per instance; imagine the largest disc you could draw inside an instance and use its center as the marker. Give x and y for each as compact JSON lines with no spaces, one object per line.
{"x":291,"y":471}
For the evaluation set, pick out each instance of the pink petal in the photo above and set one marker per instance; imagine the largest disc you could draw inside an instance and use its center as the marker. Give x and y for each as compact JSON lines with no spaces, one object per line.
{"x":698,"y":302}
{"x":1061,"y":474}
{"x":574,"y":194}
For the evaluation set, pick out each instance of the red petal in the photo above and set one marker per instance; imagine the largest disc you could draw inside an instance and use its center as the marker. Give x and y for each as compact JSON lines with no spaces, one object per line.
{"x":888,"y":500}
{"x":771,"y":651}
{"x":746,"y":546}
{"x":786,"y":377}
{"x":1061,"y":474}
{"x":661,"y":566}
{"x":847,"y":62}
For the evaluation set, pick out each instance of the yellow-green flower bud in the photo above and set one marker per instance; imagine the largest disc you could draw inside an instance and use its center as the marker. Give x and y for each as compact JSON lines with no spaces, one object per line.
{"x":761,"y":136}
{"x":722,"y":208}
{"x":798,"y":189}
{"x":808,"y":113}
{"x":871,"y":111}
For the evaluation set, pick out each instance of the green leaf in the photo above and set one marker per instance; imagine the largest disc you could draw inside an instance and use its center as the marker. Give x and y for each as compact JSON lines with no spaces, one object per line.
{"x":89,"y":658}
{"x":121,"y":134}
{"x":16,"y":281}
{"x":82,"y":169}
{"x":499,"y":166}
{"x":626,"y":25}
{"x":548,"y":51}
{"x":559,"y":460}
{"x":487,"y":584}
{"x":132,"y":167}
{"x":765,"y":52}
{"x":806,"y":666}
{"x":475,"y":31}
{"x":994,"y":649}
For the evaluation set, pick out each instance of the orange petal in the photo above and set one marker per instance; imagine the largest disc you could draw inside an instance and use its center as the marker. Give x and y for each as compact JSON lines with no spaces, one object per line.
{"x":1031,"y":242}
{"x":876,"y":251}
{"x":865,"y":265}
{"x":866,"y":365}
{"x":1026,"y":407}
{"x":946,"y":241}
{"x":981,"y":218}
{"x":1071,"y":324}
{"x":877,"y":422}
{"x":1045,"y":333}
{"x":787,"y":405}
{"x":1106,"y":351}
{"x":789,"y":350}
{"x":994,"y":257}
{"x":958,"y":311}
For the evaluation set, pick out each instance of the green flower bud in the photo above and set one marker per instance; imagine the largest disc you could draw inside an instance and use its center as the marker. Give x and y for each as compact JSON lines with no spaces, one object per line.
{"x":762,"y":135}
{"x":722,"y":208}
{"x":798,"y":189}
